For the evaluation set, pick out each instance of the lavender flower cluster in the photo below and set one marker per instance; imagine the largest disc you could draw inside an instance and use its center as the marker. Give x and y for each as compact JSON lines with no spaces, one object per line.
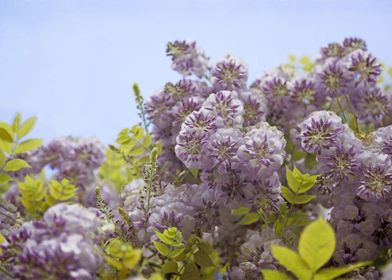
{"x":219,"y":147}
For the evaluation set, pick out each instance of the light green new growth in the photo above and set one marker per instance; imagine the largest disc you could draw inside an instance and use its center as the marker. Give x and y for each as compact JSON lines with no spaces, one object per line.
{"x":36,"y":197}
{"x":298,"y":183}
{"x":12,"y":143}
{"x":316,"y":247}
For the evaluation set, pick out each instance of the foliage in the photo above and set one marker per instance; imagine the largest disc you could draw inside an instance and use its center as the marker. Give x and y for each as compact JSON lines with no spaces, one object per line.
{"x":316,"y":246}
{"x":122,"y":257}
{"x":36,"y":196}
{"x":298,"y":184}
{"x":12,"y":144}
{"x":193,"y":259}
{"x":133,"y":145}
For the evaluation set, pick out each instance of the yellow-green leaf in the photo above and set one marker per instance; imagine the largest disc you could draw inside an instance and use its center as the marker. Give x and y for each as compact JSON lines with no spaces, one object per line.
{"x":292,"y":262}
{"x":203,"y":260}
{"x":27,"y":145}
{"x":390,"y":71}
{"x":249,"y":219}
{"x":16,"y":122}
{"x":292,"y":182}
{"x":16,"y":164}
{"x":332,"y":273}
{"x":5,"y":135}
{"x":296,"y":199}
{"x":191,"y":272}
{"x":161,"y":248}
{"x":2,"y":158}
{"x":269,"y":274}
{"x":2,"y":239}
{"x":6,"y":146}
{"x":240,"y":211}
{"x":317,"y":244}
{"x":170,"y":267}
{"x":26,"y":127}
{"x":4,"y":178}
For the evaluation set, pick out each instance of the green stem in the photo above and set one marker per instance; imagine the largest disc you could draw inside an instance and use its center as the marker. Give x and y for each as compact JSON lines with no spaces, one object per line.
{"x":340,"y":107}
{"x":353,"y":112}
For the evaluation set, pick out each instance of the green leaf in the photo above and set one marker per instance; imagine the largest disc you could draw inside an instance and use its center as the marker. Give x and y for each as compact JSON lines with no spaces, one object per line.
{"x":269,"y":274}
{"x":191,"y":272}
{"x":296,"y":199}
{"x":170,"y":267}
{"x":194,"y":172}
{"x":2,"y":158}
{"x":240,"y":211}
{"x":26,"y":127}
{"x":390,"y":71}
{"x":332,"y":273}
{"x":4,"y":178}
{"x":6,"y":146}
{"x":27,"y":145}
{"x":203,"y":260}
{"x":292,"y":262}
{"x":136,"y":151}
{"x":32,"y":194}
{"x":249,"y":219}
{"x":317,"y":244}
{"x":161,"y":248}
{"x":16,"y":122}
{"x":60,"y":192}
{"x":5,"y":135}
{"x":16,"y":164}
{"x":292,"y":180}
{"x":121,"y":255}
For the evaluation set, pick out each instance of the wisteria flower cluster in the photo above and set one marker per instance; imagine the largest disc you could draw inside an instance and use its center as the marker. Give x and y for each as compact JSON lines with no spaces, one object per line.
{"x":288,"y":176}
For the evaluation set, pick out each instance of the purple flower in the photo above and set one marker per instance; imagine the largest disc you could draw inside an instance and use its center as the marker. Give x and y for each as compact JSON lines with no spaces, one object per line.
{"x":60,"y":246}
{"x":255,"y":107}
{"x":277,"y":92}
{"x":382,"y":138}
{"x":229,"y":74}
{"x":352,"y":44}
{"x":333,"y":79}
{"x":227,"y":108}
{"x":222,"y":150}
{"x":340,"y":161}
{"x":180,"y":90}
{"x":158,"y":109}
{"x":199,"y":121}
{"x":377,"y":181}
{"x":320,"y":131}
{"x":189,"y":148}
{"x":187,"y":58}
{"x":333,"y":50}
{"x":364,"y":68}
{"x":184,"y":108}
{"x":303,"y":92}
{"x":372,"y":105}
{"x":263,"y":150}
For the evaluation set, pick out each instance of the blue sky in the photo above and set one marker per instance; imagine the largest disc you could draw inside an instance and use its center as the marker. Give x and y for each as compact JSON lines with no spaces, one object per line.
{"x":72,"y":62}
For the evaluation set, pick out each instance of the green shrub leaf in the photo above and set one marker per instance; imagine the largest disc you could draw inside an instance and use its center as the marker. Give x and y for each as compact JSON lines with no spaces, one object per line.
{"x":161,"y":248}
{"x":317,"y":244}
{"x":292,"y":262}
{"x":26,"y":127}
{"x":332,"y":273}
{"x":16,"y":164}
{"x":240,"y":211}
{"x":27,"y":145}
{"x":249,"y":219}
{"x":296,"y":199}
{"x":270,"y":274}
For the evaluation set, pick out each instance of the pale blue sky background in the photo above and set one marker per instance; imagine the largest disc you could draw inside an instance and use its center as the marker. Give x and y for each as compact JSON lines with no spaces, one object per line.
{"x":72,"y":62}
